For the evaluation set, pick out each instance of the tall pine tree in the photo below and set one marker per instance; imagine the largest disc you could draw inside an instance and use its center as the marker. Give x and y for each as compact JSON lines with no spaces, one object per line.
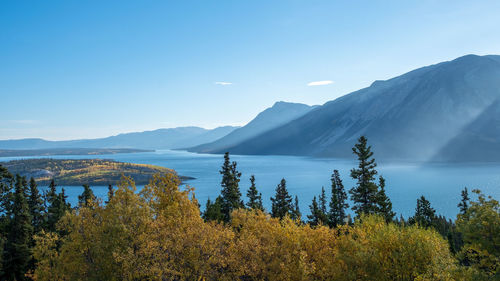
{"x":281,"y":202}
{"x":384,"y":203}
{"x":364,"y":194}
{"x":296,"y":214}
{"x":36,"y":206}
{"x":254,"y":197}
{"x":338,"y":202}
{"x":464,"y":202}
{"x":231,"y":195}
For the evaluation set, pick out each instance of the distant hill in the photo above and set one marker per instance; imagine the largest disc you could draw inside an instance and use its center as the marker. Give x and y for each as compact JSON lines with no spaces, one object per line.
{"x":410,"y":117}
{"x":280,"y":113}
{"x":67,"y":151}
{"x":157,"y":139}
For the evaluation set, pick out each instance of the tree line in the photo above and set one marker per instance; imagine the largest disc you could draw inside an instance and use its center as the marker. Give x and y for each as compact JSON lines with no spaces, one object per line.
{"x":159,"y":233}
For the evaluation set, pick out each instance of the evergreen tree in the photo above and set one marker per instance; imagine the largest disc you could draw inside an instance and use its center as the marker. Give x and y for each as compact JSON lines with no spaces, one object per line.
{"x":322,"y":200}
{"x":296,"y":215}
{"x":364,"y":194}
{"x":87,"y":196}
{"x":338,"y":204}
{"x":282,"y":202}
{"x":57,"y":206}
{"x":36,"y":207}
{"x":111,"y":192}
{"x":384,"y":203}
{"x":213,"y":211}
{"x":313,"y":218}
{"x":464,"y":202}
{"x":254,"y":197}
{"x":17,"y":252}
{"x":231,"y":195}
{"x":425,"y":215}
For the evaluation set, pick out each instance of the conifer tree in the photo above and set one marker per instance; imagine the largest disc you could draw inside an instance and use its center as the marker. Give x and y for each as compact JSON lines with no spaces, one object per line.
{"x":338,"y":204}
{"x":322,"y":201}
{"x":384,"y":203}
{"x":464,"y":202}
{"x":17,"y":252}
{"x":282,"y":202}
{"x":111,"y":192}
{"x":231,"y":195}
{"x":296,"y":215}
{"x":213,"y":211}
{"x":57,"y":206}
{"x":425,"y":215}
{"x":36,"y":206}
{"x":313,"y":218}
{"x":364,"y":194}
{"x":87,"y":196}
{"x":254,"y":197}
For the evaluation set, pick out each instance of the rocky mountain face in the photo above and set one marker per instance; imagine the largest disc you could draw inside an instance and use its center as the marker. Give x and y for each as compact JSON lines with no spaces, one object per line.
{"x":410,"y":117}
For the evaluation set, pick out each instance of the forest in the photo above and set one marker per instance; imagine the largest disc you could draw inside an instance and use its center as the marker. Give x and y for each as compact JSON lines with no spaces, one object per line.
{"x":159,"y":232}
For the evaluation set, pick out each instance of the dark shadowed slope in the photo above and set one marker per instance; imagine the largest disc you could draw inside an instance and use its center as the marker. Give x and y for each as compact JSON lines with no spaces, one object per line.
{"x":409,"y":117}
{"x":157,"y":139}
{"x":275,"y":116}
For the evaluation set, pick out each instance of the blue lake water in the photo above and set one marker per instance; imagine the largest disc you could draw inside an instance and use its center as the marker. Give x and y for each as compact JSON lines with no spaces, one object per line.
{"x":440,"y":183}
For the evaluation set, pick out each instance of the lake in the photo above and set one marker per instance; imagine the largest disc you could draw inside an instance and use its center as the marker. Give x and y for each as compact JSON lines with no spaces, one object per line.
{"x":405,"y":182}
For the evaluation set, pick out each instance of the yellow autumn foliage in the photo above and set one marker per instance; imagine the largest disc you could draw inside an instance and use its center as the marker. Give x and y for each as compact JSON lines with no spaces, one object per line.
{"x":157,"y":234}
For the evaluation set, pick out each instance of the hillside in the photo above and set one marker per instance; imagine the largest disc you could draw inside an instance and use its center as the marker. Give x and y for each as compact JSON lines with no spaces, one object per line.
{"x":280,"y":113}
{"x":96,"y":172}
{"x":410,"y":117}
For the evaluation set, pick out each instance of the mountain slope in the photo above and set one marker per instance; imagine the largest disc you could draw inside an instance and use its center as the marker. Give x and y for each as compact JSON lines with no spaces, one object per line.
{"x":157,"y":139}
{"x":409,"y":117}
{"x":280,"y":113}
{"x":479,"y":141}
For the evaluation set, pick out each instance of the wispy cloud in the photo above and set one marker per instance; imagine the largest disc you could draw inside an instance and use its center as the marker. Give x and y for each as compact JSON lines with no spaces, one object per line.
{"x":320,"y":83}
{"x":24,"y":122}
{"x":223,"y":83}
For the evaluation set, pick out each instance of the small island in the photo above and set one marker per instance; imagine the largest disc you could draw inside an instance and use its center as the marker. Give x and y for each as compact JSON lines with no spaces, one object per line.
{"x":67,"y":151}
{"x":95,"y":172}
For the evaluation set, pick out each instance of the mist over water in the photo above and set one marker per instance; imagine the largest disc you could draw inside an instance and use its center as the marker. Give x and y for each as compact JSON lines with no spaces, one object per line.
{"x":440,"y":183}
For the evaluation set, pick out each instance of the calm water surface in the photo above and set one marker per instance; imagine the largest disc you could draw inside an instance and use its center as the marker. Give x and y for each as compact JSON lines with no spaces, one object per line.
{"x":440,"y":183}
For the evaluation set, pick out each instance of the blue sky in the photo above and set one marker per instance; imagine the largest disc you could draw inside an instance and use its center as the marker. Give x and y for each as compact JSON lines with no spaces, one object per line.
{"x":82,"y":69}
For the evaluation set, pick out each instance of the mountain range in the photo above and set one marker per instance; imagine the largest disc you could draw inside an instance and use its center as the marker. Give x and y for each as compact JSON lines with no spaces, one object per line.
{"x":449,"y":111}
{"x":279,"y":114}
{"x":157,"y":139}
{"x":434,"y":112}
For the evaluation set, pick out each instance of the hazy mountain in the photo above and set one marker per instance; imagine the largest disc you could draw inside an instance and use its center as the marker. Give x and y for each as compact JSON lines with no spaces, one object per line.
{"x":277,"y":115}
{"x":410,"y":117}
{"x":479,"y":141}
{"x":157,"y":139}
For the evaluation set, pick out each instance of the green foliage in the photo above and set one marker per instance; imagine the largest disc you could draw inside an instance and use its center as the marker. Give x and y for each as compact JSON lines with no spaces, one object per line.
{"x":384,"y":203}
{"x":480,"y":228}
{"x":231,"y":195}
{"x":213,"y":211}
{"x":338,"y":204}
{"x":17,"y":251}
{"x":254,"y":197}
{"x":464,"y":202}
{"x":36,"y":206}
{"x":425,"y":215}
{"x":87,"y":197}
{"x":282,"y":202}
{"x":364,"y":194}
